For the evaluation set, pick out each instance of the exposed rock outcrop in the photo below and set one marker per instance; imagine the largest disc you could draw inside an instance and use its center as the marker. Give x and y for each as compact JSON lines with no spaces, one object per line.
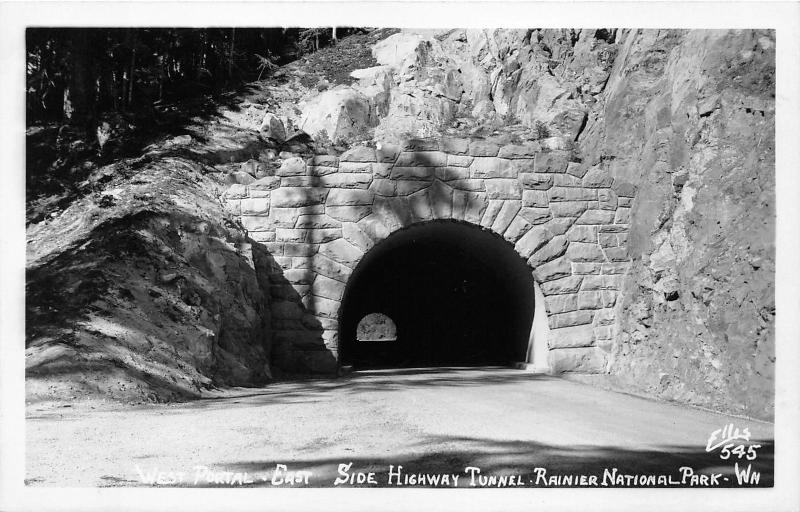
{"x":689,"y":116}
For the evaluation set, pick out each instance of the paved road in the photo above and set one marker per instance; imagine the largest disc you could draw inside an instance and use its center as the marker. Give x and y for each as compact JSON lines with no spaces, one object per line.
{"x":505,"y":422}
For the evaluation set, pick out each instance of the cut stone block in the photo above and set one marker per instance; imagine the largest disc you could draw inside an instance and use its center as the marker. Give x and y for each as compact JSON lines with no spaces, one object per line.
{"x":420,"y":206}
{"x":383,"y":187}
{"x":569,"y":208}
{"x":590,"y":300}
{"x":385,"y":152}
{"x":359,"y":154}
{"x":582,"y":251}
{"x":441,"y":197}
{"x":452,"y":173}
{"x":405,"y":173}
{"x":314,"y":221}
{"x":294,"y":166}
{"x":569,"y":319}
{"x":566,"y":180}
{"x":421,"y":158}
{"x":342,"y":251}
{"x":348,"y":213}
{"x":471,"y":185}
{"x":536,"y":181}
{"x":488,"y":167}
{"x":576,"y":169}
{"x":596,"y":217}
{"x":293,"y":249}
{"x":536,"y":198}
{"x":353,"y":233}
{"x":535,"y":215}
{"x":407,"y":187}
{"x":355,"y":167}
{"x":393,"y":212}
{"x":296,"y":197}
{"x":257,"y":223}
{"x":623,"y":216}
{"x":500,"y":188}
{"x":346,"y":180}
{"x":258,"y":206}
{"x":454,"y":146}
{"x":374,"y":227}
{"x":346,"y":197}
{"x":459,"y":161}
{"x":492,"y":209}
{"x":420,"y":145}
{"x":569,"y":284}
{"x":552,"y":270}
{"x":323,"y":160}
{"x":328,"y":288}
{"x":551,"y":161}
{"x":524,"y":151}
{"x":506,"y":214}
{"x":321,"y":306}
{"x":518,"y":227}
{"x":582,"y":234}
{"x":617,"y":254}
{"x":561,"y":303}
{"x":570,"y":337}
{"x":483,"y":148}
{"x":307,"y":235}
{"x":615,"y":268}
{"x":607,"y":199}
{"x":531,"y":241}
{"x":571,"y":194}
{"x":327,"y":267}
{"x":474,"y":205}
{"x":553,"y":249}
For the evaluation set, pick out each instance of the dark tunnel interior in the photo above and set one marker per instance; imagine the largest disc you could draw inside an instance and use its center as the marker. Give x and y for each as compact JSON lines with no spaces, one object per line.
{"x":458,"y":294}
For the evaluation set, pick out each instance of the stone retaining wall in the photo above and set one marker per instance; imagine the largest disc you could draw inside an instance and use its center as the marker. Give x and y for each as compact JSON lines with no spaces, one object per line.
{"x":317,"y":217}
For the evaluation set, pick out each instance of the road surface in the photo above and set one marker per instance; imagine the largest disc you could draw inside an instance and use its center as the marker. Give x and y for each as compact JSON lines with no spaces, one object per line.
{"x":529,"y":429}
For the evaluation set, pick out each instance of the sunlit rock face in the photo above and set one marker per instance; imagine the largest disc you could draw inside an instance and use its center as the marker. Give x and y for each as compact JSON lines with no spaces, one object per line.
{"x":689,"y":116}
{"x":342,"y":113}
{"x":430,"y":81}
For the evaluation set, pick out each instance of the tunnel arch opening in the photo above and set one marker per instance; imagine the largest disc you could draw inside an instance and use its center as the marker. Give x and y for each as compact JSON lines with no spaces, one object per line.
{"x":458,"y":295}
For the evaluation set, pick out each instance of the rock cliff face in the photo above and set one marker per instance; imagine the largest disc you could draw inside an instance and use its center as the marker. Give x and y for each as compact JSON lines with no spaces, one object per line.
{"x":690,"y":117}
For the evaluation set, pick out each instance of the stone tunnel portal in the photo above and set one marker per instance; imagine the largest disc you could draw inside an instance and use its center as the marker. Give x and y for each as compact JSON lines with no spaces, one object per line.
{"x":457,"y":294}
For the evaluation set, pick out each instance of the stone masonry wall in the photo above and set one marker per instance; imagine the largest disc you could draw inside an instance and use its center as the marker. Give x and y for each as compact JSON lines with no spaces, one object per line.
{"x":317,"y":217}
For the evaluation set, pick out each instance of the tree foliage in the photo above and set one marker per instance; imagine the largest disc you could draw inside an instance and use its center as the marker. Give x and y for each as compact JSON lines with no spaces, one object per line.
{"x":76,"y":74}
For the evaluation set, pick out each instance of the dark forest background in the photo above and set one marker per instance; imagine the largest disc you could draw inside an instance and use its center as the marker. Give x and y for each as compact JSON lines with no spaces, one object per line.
{"x":76,"y":75}
{"x":94,"y":95}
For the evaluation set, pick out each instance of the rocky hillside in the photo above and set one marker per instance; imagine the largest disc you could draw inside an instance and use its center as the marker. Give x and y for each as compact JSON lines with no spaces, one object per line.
{"x":685,"y":116}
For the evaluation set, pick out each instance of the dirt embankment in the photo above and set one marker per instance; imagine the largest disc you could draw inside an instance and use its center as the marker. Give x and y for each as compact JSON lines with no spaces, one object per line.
{"x":144,"y":289}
